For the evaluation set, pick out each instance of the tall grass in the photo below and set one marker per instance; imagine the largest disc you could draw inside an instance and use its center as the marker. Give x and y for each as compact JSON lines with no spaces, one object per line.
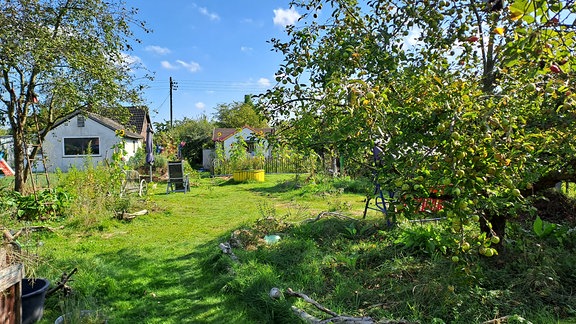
{"x":96,"y":194}
{"x":166,"y":267}
{"x":364,"y":268}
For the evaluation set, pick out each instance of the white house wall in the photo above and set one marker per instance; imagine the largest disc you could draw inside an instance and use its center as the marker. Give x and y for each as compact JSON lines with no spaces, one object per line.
{"x":53,"y":145}
{"x":246,"y":134}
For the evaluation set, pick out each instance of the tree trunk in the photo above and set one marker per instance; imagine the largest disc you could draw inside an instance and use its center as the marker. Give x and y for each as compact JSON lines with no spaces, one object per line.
{"x":494,"y":225}
{"x":19,"y":160}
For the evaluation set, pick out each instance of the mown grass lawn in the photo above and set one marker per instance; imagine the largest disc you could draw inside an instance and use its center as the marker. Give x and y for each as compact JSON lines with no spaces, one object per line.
{"x":147,"y":270}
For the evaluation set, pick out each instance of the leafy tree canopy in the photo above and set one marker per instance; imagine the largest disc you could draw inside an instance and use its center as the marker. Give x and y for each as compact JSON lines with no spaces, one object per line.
{"x":197,"y":134}
{"x":59,"y":56}
{"x":474,"y":99}
{"x":239,"y":114}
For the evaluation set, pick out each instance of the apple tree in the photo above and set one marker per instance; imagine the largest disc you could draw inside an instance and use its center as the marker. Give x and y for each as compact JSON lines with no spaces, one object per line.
{"x":57,"y":56}
{"x":472,"y":100}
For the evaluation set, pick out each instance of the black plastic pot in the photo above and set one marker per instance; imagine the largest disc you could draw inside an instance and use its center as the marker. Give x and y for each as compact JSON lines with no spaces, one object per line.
{"x":33,"y":296}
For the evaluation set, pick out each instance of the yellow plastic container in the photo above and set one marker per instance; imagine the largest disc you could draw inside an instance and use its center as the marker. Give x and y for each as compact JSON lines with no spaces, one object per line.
{"x":245,"y":175}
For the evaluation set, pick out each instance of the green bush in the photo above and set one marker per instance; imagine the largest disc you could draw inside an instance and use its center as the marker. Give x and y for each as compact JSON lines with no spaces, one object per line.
{"x":43,"y":205}
{"x":138,"y":162}
{"x":96,"y":192}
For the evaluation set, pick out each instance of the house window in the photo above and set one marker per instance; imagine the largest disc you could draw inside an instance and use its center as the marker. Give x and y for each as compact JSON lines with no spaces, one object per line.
{"x":80,"y":120}
{"x":81,"y":146}
{"x":250,"y":146}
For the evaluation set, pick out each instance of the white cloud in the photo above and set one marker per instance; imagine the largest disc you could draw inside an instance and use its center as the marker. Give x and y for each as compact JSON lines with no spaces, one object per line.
{"x":412,"y":38}
{"x":130,"y":60}
{"x":200,"y":105}
{"x":264,"y":82}
{"x":167,"y":65}
{"x":158,"y":50}
{"x":284,"y":17}
{"x":190,"y":66}
{"x":211,"y":15}
{"x":246,"y":49}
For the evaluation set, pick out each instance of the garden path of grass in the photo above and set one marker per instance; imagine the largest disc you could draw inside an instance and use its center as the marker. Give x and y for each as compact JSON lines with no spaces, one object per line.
{"x":148,"y":270}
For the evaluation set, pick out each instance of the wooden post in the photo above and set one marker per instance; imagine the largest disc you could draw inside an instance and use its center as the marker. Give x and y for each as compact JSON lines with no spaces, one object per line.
{"x":10,"y":290}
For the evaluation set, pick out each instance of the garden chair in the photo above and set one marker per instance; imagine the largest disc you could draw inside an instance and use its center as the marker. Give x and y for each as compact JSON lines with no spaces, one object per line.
{"x":133,"y":183}
{"x":383,"y":202}
{"x":177,"y":179}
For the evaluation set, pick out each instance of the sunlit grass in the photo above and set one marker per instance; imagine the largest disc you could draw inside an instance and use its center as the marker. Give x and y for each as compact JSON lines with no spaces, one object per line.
{"x":166,"y":267}
{"x":147,"y":270}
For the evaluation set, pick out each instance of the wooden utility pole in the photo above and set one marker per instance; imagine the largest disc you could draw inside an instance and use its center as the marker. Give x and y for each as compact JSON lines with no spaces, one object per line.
{"x":173,"y":86}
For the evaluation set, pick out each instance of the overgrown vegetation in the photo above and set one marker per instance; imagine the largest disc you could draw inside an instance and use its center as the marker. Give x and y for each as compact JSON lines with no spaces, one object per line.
{"x":365,"y":268}
{"x":42,"y":205}
{"x":471,"y":99}
{"x":300,"y":232}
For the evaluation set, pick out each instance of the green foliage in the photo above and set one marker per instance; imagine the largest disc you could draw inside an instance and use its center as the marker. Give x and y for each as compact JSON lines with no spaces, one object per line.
{"x":480,"y":107}
{"x":254,"y":289}
{"x":239,"y":114}
{"x":358,"y":185}
{"x":138,"y":162}
{"x":347,"y":271}
{"x":43,"y":205}
{"x":428,"y":239}
{"x":323,"y":184}
{"x":197,"y":134}
{"x":96,"y":192}
{"x":85,"y":65}
{"x":543,"y":228}
{"x":240,"y":158}
{"x":221,"y":164}
{"x":354,"y":267}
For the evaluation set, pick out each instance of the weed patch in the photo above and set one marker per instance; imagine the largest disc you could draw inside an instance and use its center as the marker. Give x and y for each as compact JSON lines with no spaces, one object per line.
{"x":360,"y":269}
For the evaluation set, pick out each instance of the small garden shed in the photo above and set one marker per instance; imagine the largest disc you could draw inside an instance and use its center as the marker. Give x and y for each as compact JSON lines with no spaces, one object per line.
{"x":82,"y":135}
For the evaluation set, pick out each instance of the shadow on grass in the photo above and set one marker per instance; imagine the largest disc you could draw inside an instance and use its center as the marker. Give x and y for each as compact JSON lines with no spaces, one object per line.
{"x":136,"y":287}
{"x":281,"y":187}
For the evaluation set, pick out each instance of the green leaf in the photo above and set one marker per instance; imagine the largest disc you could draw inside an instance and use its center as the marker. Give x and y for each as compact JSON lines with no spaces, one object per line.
{"x":543,"y":228}
{"x":537,"y":226}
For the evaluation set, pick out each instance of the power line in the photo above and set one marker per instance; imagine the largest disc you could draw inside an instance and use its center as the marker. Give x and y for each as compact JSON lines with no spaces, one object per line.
{"x":163,"y":102}
{"x":217,"y":86}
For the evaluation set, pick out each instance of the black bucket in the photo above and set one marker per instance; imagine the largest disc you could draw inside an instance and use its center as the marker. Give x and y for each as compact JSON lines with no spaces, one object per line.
{"x":33,"y":296}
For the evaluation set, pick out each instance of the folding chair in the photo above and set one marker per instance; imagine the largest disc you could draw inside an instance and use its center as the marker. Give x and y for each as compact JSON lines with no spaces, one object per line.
{"x":132,"y":183}
{"x":177,"y":179}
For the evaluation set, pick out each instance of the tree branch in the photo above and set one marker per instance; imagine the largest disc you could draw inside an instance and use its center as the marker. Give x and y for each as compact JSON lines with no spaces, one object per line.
{"x":309,"y":300}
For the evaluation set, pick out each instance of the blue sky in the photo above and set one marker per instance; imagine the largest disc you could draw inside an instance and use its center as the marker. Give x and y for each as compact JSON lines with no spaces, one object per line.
{"x":216,"y":51}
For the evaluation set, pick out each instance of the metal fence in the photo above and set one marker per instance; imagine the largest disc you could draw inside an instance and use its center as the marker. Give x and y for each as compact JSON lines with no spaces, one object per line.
{"x":278,"y":165}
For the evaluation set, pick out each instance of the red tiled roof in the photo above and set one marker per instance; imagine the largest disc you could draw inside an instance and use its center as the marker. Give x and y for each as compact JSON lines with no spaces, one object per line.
{"x":221,"y":134}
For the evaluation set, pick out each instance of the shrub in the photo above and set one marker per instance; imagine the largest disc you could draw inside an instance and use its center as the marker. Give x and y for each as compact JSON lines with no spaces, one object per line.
{"x":42,"y":205}
{"x":138,"y":162}
{"x":96,"y":191}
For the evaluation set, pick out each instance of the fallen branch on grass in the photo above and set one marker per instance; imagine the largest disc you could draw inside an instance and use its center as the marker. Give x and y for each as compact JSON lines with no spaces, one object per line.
{"x":328,"y":214}
{"x":309,"y":300}
{"x":227,"y":249}
{"x":130,"y":216}
{"x":336,"y":318}
{"x":504,"y":319}
{"x":11,"y":236}
{"x":62,"y":284}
